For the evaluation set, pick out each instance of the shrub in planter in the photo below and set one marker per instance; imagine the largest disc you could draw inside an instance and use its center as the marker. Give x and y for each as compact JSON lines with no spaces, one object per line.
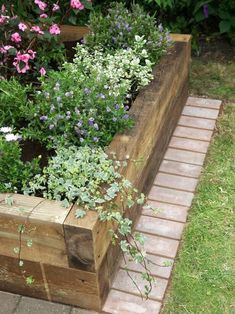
{"x":84,"y":103}
{"x":14,"y":174}
{"x":13,"y":102}
{"x":119,"y":28}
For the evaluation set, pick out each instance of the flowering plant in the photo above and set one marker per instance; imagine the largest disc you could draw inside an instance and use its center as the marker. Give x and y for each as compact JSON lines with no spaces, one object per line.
{"x":14,"y":174}
{"x":118,"y":29}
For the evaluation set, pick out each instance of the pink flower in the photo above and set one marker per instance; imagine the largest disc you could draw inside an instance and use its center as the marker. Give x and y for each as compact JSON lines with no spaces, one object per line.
{"x":3,"y":19}
{"x":42,"y":71}
{"x":16,"y":38}
{"x":4,"y":49}
{"x":76,"y":4}
{"x":54,"y":29}
{"x":42,"y":5}
{"x":43,"y":16}
{"x":3,"y":9}
{"x":32,"y":54}
{"x":22,"y":27}
{"x":36,"y":29}
{"x":21,"y":62}
{"x":56,"y":7}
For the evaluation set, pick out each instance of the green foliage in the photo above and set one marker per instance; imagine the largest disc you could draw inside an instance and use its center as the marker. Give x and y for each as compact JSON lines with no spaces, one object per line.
{"x":119,"y":27}
{"x":13,"y":102}
{"x":14,"y":174}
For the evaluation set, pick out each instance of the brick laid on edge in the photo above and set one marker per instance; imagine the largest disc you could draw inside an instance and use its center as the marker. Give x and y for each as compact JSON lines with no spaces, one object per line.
{"x":8,"y":302}
{"x":185,"y":156}
{"x":123,"y":303}
{"x":197,"y":122}
{"x":172,"y":196}
{"x":196,"y":134}
{"x":175,"y":181}
{"x":181,"y":168}
{"x":166,"y":211}
{"x":200,"y":112}
{"x":160,"y":227}
{"x":204,"y":102}
{"x":189,"y":144}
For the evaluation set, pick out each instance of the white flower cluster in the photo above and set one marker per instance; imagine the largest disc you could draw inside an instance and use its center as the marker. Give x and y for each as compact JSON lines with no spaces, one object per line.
{"x":9,"y":136}
{"x":124,"y":68}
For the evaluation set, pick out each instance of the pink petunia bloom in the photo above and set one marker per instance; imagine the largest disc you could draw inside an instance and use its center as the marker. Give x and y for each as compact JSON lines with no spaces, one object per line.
{"x":42,"y":71}
{"x":22,"y":27}
{"x":21,"y":62}
{"x":3,"y":19}
{"x":36,"y":29}
{"x":43,"y":16}
{"x":16,"y":38}
{"x":54,"y":29}
{"x":4,"y":49}
{"x":56,"y":7}
{"x":42,"y":5}
{"x":32,"y":54}
{"x":76,"y":4}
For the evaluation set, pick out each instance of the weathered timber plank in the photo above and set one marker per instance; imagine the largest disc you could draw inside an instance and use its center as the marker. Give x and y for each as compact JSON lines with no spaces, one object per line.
{"x":39,"y":218}
{"x":12,"y":278}
{"x":72,"y":286}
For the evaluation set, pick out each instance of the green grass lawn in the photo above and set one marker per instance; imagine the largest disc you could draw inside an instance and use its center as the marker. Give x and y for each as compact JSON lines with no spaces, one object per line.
{"x":204,"y":277}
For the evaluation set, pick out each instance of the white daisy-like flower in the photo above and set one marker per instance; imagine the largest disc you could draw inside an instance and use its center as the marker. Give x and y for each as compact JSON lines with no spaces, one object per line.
{"x":12,"y":137}
{"x":6,"y":129}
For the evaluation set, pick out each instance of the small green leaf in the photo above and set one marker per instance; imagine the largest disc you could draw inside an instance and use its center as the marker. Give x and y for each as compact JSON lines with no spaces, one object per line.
{"x":29,"y":243}
{"x":9,"y":200}
{"x":224,"y":26}
{"x":16,"y":250}
{"x":29,"y":280}
{"x":80,"y":213}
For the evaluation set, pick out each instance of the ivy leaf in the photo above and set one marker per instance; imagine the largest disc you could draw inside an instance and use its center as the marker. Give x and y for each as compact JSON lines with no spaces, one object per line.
{"x":16,"y":250}
{"x":139,"y":237}
{"x":141,"y":199}
{"x":9,"y":200}
{"x":21,"y":263}
{"x":80,"y":213}
{"x":29,"y":243}
{"x":65,"y":203}
{"x":29,"y":280}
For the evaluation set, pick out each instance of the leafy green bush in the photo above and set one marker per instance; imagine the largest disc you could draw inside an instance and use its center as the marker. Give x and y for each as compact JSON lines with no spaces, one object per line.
{"x":13,"y":102}
{"x":14,"y":174}
{"x":85,"y":102}
{"x":119,"y":27}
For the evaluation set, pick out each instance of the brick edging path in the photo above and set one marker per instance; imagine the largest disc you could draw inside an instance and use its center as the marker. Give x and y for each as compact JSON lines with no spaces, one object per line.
{"x":172,"y":193}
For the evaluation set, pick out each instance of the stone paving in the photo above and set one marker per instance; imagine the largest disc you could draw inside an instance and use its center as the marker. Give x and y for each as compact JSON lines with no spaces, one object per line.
{"x":172,"y":193}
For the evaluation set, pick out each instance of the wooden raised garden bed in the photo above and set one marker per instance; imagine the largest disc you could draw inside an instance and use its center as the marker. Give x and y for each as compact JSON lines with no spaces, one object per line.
{"x":71,"y":260}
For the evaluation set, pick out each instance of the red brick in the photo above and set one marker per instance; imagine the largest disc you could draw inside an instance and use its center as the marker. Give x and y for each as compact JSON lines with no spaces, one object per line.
{"x":197,"y":122}
{"x":200,"y":112}
{"x":171,"y":196}
{"x":165,"y":210}
{"x":124,"y":303}
{"x":185,"y":156}
{"x":159,"y":266}
{"x":174,"y":181}
{"x":160,"y":246}
{"x":160,"y":227}
{"x":124,"y":283}
{"x":189,"y":144}
{"x":204,"y":102}
{"x":175,"y":167}
{"x":196,"y":134}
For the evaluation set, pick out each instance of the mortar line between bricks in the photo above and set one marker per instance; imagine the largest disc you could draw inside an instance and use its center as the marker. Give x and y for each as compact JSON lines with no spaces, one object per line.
{"x":169,"y":203}
{"x":172,"y":188}
{"x":198,"y":107}
{"x":187,"y":149}
{"x":191,"y":138}
{"x":17,"y":304}
{"x":189,"y":163}
{"x":194,"y":127}
{"x":138,"y":295}
{"x":182,"y":162}
{"x":157,"y":235}
{"x":165,"y":219}
{"x":170,"y":219}
{"x":178,"y":175}
{"x":191,"y":116}
{"x":139,"y":272}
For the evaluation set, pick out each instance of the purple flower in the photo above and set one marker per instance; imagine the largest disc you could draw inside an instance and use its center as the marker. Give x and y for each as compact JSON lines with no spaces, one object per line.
{"x":205,"y":10}
{"x":79,"y":124}
{"x":51,"y":126}
{"x":81,"y":139}
{"x":102,"y":96}
{"x":91,"y":121}
{"x":117,"y":106}
{"x":114,"y":119}
{"x":125,"y":117}
{"x":87,"y":90}
{"x":95,"y":139}
{"x":43,"y":118}
{"x":69,"y":94}
{"x":126,"y":108}
{"x":160,"y":27}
